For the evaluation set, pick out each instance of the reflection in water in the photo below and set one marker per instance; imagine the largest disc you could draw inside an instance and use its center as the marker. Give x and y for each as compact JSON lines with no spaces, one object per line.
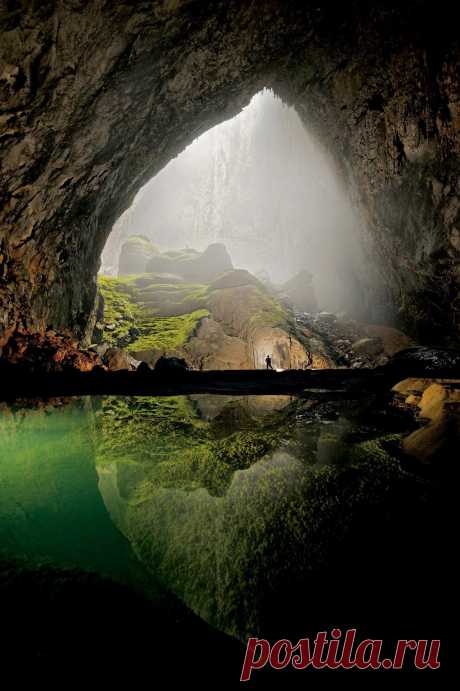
{"x":50,"y":505}
{"x":209,"y":407}
{"x":237,"y":505}
{"x":235,"y":502}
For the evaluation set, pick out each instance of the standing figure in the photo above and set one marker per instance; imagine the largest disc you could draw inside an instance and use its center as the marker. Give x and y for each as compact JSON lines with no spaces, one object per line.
{"x":268,"y":362}
{"x":309,"y":361}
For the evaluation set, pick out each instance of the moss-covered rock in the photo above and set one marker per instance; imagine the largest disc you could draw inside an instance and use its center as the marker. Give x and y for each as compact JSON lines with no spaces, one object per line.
{"x":211,"y":518}
{"x":135,"y":254}
{"x":151,"y":317}
{"x":243,"y":308}
{"x":164,"y":442}
{"x":133,"y":321}
{"x":193,"y":265}
{"x":234,"y":279}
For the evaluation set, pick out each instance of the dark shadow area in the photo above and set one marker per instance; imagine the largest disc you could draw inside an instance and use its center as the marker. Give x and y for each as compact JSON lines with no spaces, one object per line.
{"x":390,"y":578}
{"x":61,"y":625}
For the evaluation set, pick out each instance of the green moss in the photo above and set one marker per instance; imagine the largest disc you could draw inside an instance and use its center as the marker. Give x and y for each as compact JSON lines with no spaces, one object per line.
{"x":144,"y":312}
{"x":166,"y":299}
{"x":185,"y":253}
{"x":120,"y":312}
{"x":271,"y":313}
{"x":237,"y":452}
{"x":142,"y":241}
{"x":162,"y":442}
{"x":147,"y":429}
{"x":242,"y":449}
{"x":165,"y":332}
{"x":128,"y":322}
{"x":267,"y":311}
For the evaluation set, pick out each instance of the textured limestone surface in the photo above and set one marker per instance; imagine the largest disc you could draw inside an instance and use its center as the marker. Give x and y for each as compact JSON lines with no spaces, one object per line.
{"x":97,"y":96}
{"x":437,"y":405}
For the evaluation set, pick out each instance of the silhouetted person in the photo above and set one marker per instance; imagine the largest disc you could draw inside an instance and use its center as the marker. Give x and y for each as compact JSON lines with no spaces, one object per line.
{"x":268,"y":362}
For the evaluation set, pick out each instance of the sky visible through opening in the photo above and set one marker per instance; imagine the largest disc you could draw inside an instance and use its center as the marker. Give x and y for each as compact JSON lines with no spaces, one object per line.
{"x":264,"y":187}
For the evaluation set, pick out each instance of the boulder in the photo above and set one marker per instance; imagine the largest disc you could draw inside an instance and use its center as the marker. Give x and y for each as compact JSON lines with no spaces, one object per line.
{"x":116,"y":359}
{"x":234,"y":279}
{"x":437,"y":441}
{"x":212,"y":349}
{"x":192,"y":266}
{"x":284,"y":349}
{"x":299,"y":291}
{"x":171,"y":365}
{"x":368,"y":346}
{"x":149,"y":355}
{"x":433,"y":399}
{"x":393,"y":340}
{"x":144,"y":368}
{"x":236,"y":308}
{"x":412,"y":387}
{"x":49,"y":352}
{"x":432,"y":360}
{"x":134,"y":255}
{"x":325,"y":318}
{"x":215,"y":260}
{"x":101,"y":348}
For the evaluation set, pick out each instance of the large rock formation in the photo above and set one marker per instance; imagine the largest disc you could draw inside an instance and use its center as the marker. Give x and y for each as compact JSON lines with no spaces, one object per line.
{"x":300,"y":293}
{"x":135,"y":254}
{"x":96,"y":98}
{"x":191,"y":265}
{"x":211,"y":348}
{"x":438,"y":404}
{"x":232,"y":323}
{"x":205,"y":502}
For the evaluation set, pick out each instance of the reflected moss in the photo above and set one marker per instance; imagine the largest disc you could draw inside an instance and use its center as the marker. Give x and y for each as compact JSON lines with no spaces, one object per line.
{"x":147,"y":429}
{"x":224,"y":517}
{"x":165,"y":443}
{"x":279,"y":522}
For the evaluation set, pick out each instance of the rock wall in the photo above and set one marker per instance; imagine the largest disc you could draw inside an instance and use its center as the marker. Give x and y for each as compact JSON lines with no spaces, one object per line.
{"x":96,"y":97}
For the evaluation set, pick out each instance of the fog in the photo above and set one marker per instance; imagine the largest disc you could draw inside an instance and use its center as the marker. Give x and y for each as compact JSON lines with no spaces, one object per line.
{"x":262,"y":185}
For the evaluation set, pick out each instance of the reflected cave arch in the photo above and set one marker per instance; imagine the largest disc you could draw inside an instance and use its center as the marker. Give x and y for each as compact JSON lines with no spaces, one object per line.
{"x":96,"y":102}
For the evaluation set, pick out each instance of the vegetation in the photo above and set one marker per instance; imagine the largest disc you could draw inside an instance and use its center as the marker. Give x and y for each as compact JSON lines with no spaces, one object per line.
{"x":145,"y":313}
{"x":269,"y":312}
{"x":165,"y":441}
{"x":130,"y":322}
{"x":278,"y":522}
{"x":143,"y":242}
{"x":174,"y":261}
{"x":166,"y":333}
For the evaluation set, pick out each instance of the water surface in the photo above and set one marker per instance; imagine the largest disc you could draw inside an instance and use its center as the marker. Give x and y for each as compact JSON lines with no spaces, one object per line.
{"x":247,"y":509}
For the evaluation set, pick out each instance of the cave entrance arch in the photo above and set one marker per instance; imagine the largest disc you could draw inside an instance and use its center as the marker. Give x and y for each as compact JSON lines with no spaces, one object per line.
{"x":96,"y":99}
{"x":262,"y":185}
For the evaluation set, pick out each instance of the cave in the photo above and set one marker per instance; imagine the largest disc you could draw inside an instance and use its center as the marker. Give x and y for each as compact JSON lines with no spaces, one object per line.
{"x":162,"y":505}
{"x":96,"y":100}
{"x":256,"y":199}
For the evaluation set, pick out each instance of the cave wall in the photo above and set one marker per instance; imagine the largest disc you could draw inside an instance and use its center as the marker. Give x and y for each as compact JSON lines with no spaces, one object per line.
{"x":97,"y":96}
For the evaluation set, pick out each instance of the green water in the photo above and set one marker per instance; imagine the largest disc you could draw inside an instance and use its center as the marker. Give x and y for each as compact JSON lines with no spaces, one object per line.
{"x":226,"y":503}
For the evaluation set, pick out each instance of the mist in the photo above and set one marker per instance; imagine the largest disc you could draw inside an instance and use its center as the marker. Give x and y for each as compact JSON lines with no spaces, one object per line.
{"x":263,"y":186}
